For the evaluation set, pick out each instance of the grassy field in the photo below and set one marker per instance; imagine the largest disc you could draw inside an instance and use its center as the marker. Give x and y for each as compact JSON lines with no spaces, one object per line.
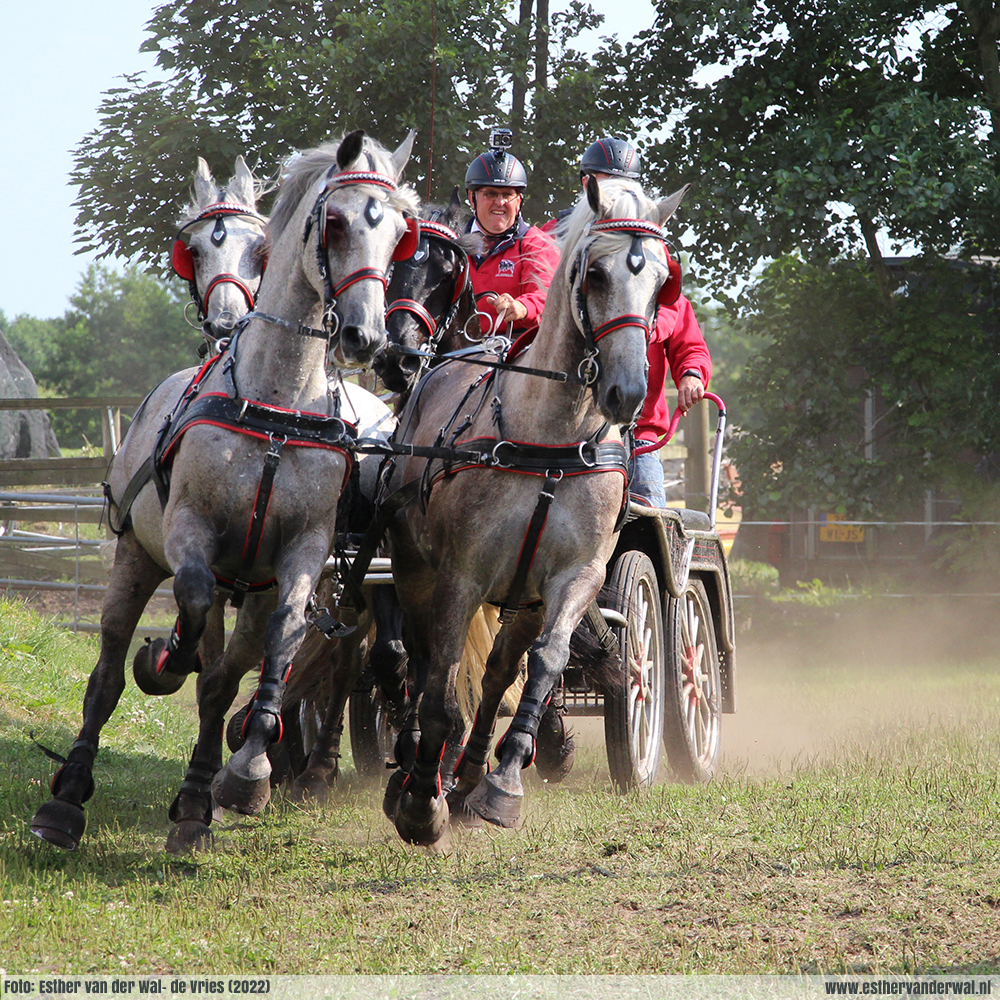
{"x":853,"y":829}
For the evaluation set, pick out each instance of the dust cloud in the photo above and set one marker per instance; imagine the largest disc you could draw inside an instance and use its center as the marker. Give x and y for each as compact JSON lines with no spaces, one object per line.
{"x":813,"y":680}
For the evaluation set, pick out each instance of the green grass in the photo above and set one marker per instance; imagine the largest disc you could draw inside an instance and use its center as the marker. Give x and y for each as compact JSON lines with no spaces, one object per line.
{"x":854,"y":828}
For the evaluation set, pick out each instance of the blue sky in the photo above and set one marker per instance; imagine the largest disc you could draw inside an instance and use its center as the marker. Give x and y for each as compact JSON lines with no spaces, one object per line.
{"x":60,"y":56}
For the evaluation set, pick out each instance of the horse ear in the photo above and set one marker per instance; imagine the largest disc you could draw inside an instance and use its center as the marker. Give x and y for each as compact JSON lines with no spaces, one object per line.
{"x":455,"y":201}
{"x":670,"y":204}
{"x":593,"y":189}
{"x":241,"y":186}
{"x":402,"y":154}
{"x":182,"y":261}
{"x":671,"y":290}
{"x":204,"y":186}
{"x":350,"y":148}
{"x":408,"y":242}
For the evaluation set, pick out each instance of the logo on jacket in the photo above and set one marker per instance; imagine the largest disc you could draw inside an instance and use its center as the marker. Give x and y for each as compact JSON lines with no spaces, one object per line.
{"x":506,"y":267}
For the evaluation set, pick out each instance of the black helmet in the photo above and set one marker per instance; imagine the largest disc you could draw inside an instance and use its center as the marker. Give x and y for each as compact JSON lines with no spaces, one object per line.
{"x":612,"y":156}
{"x":495,"y":168}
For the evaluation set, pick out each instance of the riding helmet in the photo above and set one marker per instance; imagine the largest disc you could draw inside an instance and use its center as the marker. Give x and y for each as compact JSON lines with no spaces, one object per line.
{"x":495,"y":168}
{"x":612,"y":156}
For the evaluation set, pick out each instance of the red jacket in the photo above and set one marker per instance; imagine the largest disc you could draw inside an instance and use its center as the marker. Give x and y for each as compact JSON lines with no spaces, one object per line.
{"x":522,"y":266}
{"x":677,"y":344}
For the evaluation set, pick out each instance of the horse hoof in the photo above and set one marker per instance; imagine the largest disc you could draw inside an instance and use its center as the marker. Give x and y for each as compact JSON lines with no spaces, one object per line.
{"x":234,"y":730}
{"x":244,"y":786}
{"x":190,"y":835}
{"x":393,"y":789}
{"x":310,"y":785}
{"x":421,"y":821}
{"x":460,"y":813}
{"x":497,"y":805}
{"x":144,"y":670}
{"x":60,"y":823}
{"x":554,"y":760}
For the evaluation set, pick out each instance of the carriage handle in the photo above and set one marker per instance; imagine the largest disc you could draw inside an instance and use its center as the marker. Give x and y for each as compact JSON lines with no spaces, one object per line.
{"x":713,"y":497}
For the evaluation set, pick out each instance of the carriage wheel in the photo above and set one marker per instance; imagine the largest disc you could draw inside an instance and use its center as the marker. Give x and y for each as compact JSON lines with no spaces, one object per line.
{"x":372,"y":737}
{"x":693,"y":716}
{"x":633,"y":713}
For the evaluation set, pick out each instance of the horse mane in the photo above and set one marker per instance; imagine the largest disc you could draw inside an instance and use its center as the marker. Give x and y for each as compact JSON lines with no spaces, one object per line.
{"x":627,"y":202}
{"x":302,"y":171}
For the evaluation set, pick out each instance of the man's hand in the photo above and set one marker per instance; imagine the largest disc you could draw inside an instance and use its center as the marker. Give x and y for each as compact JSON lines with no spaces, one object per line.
{"x":689,"y":391}
{"x":510,"y":307}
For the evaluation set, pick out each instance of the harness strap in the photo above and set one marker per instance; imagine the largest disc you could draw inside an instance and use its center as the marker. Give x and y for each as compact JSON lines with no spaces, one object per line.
{"x":384,"y":512}
{"x":256,"y":527}
{"x":142,"y":476}
{"x":511,"y":606}
{"x":606,"y":637}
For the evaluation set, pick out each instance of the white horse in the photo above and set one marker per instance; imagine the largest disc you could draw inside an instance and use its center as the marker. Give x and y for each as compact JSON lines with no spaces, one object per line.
{"x":248,"y":471}
{"x":219,"y":249}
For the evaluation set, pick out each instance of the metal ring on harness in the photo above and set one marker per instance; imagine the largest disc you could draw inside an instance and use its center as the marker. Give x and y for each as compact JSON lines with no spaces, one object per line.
{"x":589,"y":370}
{"x":583,"y":458}
{"x":497,"y":460}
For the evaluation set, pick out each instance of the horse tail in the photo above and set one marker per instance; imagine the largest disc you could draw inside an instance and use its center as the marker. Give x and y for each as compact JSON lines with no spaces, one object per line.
{"x":469,"y":685}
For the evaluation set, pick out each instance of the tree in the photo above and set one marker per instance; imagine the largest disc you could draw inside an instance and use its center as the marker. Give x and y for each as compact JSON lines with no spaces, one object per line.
{"x":821,"y":129}
{"x":927,"y":364}
{"x":123,"y":333}
{"x":266,"y":78}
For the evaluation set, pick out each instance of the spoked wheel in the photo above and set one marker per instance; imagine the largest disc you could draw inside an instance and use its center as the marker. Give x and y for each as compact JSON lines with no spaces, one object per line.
{"x":693,"y":716}
{"x":633,"y":713}
{"x":372,"y":737}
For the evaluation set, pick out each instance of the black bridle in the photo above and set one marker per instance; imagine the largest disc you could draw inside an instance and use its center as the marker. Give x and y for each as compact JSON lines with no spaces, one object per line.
{"x":183,"y":261}
{"x":436,"y":329}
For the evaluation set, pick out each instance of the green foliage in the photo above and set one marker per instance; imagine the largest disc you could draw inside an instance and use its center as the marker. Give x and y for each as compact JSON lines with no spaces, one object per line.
{"x":927,"y":358}
{"x":266,"y":79}
{"x":122,"y":334}
{"x":816,"y":127}
{"x":749,"y":577}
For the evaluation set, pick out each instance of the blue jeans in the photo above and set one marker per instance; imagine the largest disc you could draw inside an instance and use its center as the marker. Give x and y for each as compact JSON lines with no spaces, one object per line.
{"x":647,"y":478}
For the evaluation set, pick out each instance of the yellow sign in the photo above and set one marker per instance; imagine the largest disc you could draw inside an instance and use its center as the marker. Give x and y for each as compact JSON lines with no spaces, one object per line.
{"x":831,"y":531}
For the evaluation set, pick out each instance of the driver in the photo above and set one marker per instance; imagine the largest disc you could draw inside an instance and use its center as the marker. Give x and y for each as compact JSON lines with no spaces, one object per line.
{"x":511,"y":276}
{"x":676,"y":345}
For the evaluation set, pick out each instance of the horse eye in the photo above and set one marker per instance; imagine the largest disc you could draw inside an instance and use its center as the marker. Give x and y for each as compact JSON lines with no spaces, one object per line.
{"x":596,"y":278}
{"x":336,"y":226}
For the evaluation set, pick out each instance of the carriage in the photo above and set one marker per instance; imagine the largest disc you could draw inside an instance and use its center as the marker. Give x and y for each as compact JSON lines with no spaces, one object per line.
{"x":672,"y":616}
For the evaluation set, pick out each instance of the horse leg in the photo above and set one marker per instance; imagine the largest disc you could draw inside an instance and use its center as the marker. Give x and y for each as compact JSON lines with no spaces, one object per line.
{"x":134,"y":578}
{"x":497,"y":798}
{"x":244,"y":783}
{"x":218,"y":685}
{"x":421,"y":814}
{"x":323,"y":764}
{"x":502,"y":667}
{"x":387,"y":656}
{"x":556,"y":746}
{"x":162,"y":665}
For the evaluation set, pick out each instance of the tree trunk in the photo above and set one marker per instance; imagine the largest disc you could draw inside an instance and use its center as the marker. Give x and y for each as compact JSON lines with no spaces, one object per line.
{"x":984,"y":19}
{"x":870,"y":233}
{"x":542,"y":47}
{"x":520,"y":81}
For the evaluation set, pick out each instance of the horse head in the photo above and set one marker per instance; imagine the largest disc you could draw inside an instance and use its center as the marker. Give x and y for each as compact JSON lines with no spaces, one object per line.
{"x":344,"y":212}
{"x":618,"y":272}
{"x":219,"y":249}
{"x":429,"y":297}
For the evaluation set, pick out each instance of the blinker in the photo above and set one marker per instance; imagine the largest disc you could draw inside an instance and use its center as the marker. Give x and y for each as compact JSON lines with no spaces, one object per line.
{"x":219,"y":233}
{"x":373,"y":212}
{"x":636,"y":256}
